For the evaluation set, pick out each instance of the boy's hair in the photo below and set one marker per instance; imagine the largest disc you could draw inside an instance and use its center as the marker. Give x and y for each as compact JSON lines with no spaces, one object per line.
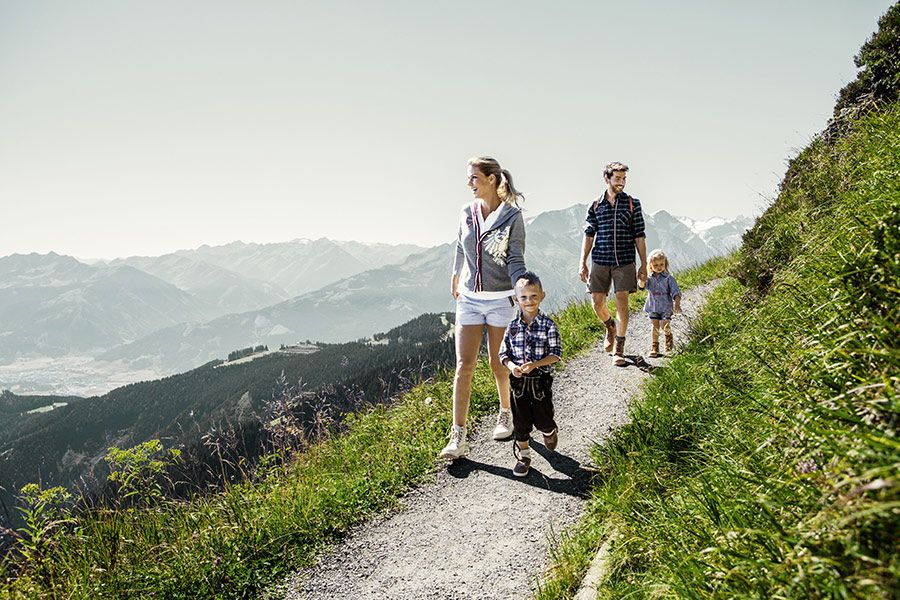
{"x":530,"y":278}
{"x":658,"y":253}
{"x":613,"y":167}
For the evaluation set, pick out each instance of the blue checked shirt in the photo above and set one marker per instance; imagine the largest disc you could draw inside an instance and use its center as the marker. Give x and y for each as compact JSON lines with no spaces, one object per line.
{"x":529,"y":343}
{"x":661,"y":292}
{"x":614,"y":229}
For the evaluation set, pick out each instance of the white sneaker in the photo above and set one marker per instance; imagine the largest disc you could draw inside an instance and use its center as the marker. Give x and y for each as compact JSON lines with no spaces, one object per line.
{"x":504,"y":428}
{"x":458,"y":446}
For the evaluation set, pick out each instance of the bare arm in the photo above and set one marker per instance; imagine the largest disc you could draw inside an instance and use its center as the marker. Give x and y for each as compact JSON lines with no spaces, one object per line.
{"x":641,"y":245}
{"x":585,"y":251}
{"x":544,"y":362}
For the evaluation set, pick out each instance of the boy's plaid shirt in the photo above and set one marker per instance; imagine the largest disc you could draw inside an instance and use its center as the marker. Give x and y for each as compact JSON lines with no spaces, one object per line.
{"x":528,"y":343}
{"x":614,"y":229}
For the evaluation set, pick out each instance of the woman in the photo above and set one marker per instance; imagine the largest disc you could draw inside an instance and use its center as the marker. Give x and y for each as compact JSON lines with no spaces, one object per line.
{"x":490,"y":250}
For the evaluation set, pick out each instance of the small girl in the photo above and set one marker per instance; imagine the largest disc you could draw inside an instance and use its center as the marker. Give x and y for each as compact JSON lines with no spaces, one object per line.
{"x":663,"y":298}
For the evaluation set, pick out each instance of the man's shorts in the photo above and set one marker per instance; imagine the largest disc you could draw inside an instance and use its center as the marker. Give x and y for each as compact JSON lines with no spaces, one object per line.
{"x":495,"y":313}
{"x":623,"y":278}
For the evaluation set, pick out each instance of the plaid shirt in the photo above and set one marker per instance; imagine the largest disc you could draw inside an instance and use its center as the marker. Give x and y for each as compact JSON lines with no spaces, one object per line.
{"x":530,"y":343}
{"x":614,"y":229}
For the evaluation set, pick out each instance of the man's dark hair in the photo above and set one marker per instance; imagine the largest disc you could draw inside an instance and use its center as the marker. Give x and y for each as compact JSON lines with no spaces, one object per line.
{"x":612,"y":167}
{"x":530,"y":278}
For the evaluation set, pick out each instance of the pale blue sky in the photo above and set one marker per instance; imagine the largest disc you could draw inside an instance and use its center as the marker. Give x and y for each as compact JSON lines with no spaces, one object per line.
{"x":143,"y":127}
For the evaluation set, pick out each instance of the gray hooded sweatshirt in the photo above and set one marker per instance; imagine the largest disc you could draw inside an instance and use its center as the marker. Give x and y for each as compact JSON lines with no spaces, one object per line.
{"x":494,"y":259}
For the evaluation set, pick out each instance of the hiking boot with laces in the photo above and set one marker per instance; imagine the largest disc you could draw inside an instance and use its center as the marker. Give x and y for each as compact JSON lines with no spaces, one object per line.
{"x":457,"y":447}
{"x":654,"y":350}
{"x":551,"y":439}
{"x":670,"y":343}
{"x":504,"y":428}
{"x":619,"y":357}
{"x":523,"y":460}
{"x":610,"y":335}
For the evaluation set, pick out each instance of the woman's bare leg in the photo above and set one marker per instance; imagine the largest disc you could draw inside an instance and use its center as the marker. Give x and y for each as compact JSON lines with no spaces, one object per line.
{"x":501,"y":373}
{"x":468,"y":341}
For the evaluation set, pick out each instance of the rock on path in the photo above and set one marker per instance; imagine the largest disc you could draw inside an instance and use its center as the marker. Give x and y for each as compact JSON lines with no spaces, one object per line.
{"x":478,"y":531}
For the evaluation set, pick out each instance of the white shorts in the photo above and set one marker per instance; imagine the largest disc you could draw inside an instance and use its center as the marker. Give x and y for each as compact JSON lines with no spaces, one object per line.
{"x":495,"y":313}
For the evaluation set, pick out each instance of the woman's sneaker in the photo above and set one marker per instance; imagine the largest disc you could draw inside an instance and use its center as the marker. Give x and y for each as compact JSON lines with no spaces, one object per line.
{"x":523,"y":460}
{"x":504,"y":428}
{"x":458,"y":446}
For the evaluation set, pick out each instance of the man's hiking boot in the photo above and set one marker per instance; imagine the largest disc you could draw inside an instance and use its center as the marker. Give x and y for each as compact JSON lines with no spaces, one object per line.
{"x":458,"y":446}
{"x":654,"y":350}
{"x":619,"y":357}
{"x":523,"y":460}
{"x":504,"y":428}
{"x":610,"y":335}
{"x":670,"y":343}
{"x":551,"y":439}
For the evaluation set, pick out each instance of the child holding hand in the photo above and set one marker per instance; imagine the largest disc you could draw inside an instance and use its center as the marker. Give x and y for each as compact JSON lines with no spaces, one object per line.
{"x":530,"y":345}
{"x":663,"y":299}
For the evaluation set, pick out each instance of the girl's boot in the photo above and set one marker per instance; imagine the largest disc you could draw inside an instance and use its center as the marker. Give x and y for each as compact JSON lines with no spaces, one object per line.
{"x":670,"y":342}
{"x":654,"y":344}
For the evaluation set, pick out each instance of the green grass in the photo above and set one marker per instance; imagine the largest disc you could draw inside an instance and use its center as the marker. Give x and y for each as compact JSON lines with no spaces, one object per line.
{"x":762,"y":461}
{"x":236,"y":543}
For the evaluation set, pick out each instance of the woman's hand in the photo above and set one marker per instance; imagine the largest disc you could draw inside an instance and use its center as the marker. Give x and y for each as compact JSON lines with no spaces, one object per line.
{"x":454,"y":281}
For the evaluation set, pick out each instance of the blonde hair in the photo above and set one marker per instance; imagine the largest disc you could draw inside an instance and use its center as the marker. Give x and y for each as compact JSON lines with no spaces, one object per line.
{"x":657,"y":254}
{"x":505,"y":188}
{"x":613,"y":167}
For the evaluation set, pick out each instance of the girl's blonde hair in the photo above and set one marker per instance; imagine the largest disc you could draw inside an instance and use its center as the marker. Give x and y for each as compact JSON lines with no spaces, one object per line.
{"x":505,"y":188}
{"x":657,"y":254}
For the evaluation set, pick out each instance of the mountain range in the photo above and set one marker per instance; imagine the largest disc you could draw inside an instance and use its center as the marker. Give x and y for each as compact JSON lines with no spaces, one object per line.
{"x":171,"y":313}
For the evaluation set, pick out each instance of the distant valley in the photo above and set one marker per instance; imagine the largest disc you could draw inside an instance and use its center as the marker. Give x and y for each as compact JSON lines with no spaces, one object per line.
{"x":71,"y":328}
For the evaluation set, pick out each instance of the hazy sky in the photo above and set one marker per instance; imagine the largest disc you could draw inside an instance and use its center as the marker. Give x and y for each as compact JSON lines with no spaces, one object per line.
{"x":143,"y":127}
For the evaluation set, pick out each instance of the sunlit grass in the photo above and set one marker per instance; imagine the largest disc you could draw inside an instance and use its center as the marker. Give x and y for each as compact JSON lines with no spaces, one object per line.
{"x":762,"y":461}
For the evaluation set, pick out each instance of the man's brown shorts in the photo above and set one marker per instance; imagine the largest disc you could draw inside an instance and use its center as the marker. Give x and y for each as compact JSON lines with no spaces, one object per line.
{"x":623,"y":278}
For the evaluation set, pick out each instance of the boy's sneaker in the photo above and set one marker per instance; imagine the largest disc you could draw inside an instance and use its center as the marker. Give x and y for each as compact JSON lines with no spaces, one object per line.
{"x":504,"y":428}
{"x":458,"y":446}
{"x":551,"y":439}
{"x":523,"y":460}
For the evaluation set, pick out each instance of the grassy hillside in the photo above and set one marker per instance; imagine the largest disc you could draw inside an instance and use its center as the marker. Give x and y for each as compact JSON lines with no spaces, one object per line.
{"x":63,"y":447}
{"x":763,"y":461}
{"x":234,"y":543}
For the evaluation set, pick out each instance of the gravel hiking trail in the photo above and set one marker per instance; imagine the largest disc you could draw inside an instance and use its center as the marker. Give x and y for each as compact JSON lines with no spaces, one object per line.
{"x":477,"y":531}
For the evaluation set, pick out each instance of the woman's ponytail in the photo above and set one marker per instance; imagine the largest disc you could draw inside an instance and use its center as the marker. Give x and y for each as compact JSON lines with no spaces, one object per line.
{"x":505,"y":188}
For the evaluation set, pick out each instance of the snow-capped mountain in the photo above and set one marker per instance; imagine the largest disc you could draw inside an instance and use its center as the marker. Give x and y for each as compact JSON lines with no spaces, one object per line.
{"x":182,"y":333}
{"x":381,"y":298}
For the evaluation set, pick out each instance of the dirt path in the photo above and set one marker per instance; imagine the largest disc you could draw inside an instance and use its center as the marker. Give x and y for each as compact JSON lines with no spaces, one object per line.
{"x":478,"y":531}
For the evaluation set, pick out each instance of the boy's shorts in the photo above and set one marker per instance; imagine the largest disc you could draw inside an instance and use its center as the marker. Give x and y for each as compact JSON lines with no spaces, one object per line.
{"x":623,"y":278}
{"x":659,"y":316}
{"x":531,"y":400}
{"x":495,"y":313}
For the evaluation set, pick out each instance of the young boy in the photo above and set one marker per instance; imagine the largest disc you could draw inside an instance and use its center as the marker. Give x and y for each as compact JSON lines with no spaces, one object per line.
{"x":530,"y":345}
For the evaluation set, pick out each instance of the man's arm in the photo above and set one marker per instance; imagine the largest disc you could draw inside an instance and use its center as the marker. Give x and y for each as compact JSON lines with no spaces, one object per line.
{"x":641,"y":245}
{"x":585,"y":251}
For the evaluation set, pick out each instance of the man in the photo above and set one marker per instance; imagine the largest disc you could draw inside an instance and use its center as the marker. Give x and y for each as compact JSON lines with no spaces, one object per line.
{"x":614,"y":228}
